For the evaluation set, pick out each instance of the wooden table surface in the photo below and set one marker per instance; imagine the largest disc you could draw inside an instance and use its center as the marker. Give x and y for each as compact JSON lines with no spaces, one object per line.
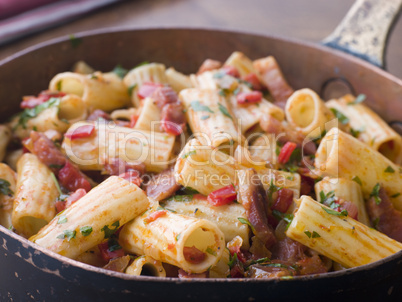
{"x":309,"y":20}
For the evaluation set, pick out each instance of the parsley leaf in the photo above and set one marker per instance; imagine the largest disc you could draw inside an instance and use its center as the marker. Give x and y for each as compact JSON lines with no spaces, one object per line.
{"x":395,"y":195}
{"x":62,"y":219}
{"x":340,"y":116}
{"x":245,"y":221}
{"x":109,"y":232}
{"x":30,"y":113}
{"x":67,"y":234}
{"x":5,"y":187}
{"x":359,"y":99}
{"x":357,"y":179}
{"x":131,"y":88}
{"x":120,"y":71}
{"x":197,"y":106}
{"x":224,"y":111}
{"x":211,"y":251}
{"x":204,"y":117}
{"x":86,"y":230}
{"x":188,"y":154}
{"x":376,"y":193}
{"x":336,"y":213}
{"x":389,"y":170}
{"x":75,"y":42}
{"x":355,"y":133}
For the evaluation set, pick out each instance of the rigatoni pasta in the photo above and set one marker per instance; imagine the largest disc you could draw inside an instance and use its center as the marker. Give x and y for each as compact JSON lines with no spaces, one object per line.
{"x":150,"y":171}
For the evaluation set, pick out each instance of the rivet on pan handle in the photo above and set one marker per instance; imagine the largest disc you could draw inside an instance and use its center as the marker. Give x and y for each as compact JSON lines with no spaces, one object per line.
{"x":365,"y":29}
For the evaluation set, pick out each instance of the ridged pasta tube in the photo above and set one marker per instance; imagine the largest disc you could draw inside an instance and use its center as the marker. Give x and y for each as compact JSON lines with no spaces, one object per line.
{"x":371,"y":128}
{"x":5,"y":136}
{"x":339,"y":238}
{"x":152,"y":72}
{"x":105,"y":91}
{"x":167,"y":238}
{"x":242,"y":63}
{"x":177,"y":80}
{"x":146,"y":266}
{"x":306,"y":112}
{"x":110,"y":141}
{"x":342,"y":155}
{"x":35,"y":196}
{"x":225,"y":216}
{"x":210,"y":117}
{"x":92,"y":218}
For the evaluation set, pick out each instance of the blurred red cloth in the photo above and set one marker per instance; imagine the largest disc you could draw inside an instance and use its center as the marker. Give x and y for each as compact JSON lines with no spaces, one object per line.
{"x":10,"y":8}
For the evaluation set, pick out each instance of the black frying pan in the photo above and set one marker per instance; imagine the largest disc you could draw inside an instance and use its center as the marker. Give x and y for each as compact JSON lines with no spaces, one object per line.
{"x":29,"y":272}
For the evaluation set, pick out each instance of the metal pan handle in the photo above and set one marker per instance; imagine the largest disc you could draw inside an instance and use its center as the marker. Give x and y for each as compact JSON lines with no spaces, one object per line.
{"x":364,"y":30}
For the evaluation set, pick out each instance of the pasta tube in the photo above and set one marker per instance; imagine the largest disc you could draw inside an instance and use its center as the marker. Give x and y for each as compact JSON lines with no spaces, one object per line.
{"x":149,"y":117}
{"x":170,"y":238}
{"x":8,"y":185}
{"x":369,"y":127}
{"x":146,"y":266}
{"x":177,"y":80}
{"x":305,"y":111}
{"x":210,"y":117}
{"x":110,"y":141}
{"x":93,"y":218}
{"x":58,"y":114}
{"x":263,"y":150}
{"x":242,"y":63}
{"x":339,"y":238}
{"x":204,"y":168}
{"x":343,"y":190}
{"x":152,"y":72}
{"x":342,"y":155}
{"x":105,"y":91}
{"x":35,"y":195}
{"x":5,"y":136}
{"x":225,"y":216}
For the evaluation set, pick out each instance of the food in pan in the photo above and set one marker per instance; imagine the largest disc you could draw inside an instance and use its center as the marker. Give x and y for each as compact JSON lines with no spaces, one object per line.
{"x":225,"y":173}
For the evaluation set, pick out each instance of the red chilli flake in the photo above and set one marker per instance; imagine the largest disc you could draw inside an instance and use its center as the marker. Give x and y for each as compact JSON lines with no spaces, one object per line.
{"x":286,"y":152}
{"x":222,"y":196}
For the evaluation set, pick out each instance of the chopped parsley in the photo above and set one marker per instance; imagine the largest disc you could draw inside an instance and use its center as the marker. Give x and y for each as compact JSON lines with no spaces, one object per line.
{"x":340,"y":116}
{"x":328,"y":198}
{"x":204,"y":117}
{"x":5,"y":187}
{"x":86,"y":230}
{"x":271,"y":190}
{"x":55,"y":166}
{"x":395,"y":195}
{"x":130,"y":89}
{"x":30,"y":113}
{"x":188,"y":191}
{"x":359,"y":99}
{"x":224,"y":111}
{"x":211,"y":251}
{"x":232,"y":260}
{"x":120,"y":71}
{"x":67,"y":234}
{"x":375,"y":223}
{"x":197,"y":106}
{"x":336,"y":213}
{"x":59,"y":85}
{"x":245,"y":221}
{"x":357,"y":179}
{"x":75,"y":42}
{"x":286,"y":217}
{"x":312,"y":235}
{"x":389,"y":170}
{"x":182,"y":198}
{"x":62,"y":219}
{"x":188,"y":154}
{"x":56,"y":183}
{"x":354,"y":132}
{"x":376,"y":193}
{"x":178,"y":237}
{"x":141,"y":64}
{"x":114,"y":245}
{"x":109,"y":232}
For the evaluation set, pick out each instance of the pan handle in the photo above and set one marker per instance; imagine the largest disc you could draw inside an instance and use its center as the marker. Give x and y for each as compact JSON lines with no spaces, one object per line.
{"x":364,"y":30}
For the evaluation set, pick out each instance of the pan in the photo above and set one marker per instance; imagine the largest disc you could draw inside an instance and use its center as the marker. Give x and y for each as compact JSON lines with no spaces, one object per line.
{"x":29,"y":272}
